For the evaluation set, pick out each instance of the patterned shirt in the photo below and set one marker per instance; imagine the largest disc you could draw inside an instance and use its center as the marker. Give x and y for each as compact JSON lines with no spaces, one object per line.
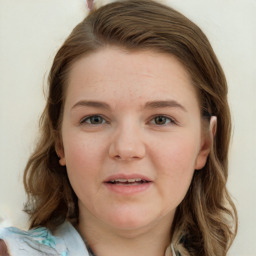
{"x":64,"y":241}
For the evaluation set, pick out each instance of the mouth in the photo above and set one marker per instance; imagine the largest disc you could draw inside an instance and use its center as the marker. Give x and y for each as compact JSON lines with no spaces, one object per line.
{"x":137,"y":181}
{"x":128,"y":184}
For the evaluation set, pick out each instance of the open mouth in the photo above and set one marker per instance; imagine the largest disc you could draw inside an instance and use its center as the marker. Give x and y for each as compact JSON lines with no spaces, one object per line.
{"x":128,"y":181}
{"x":125,"y":185}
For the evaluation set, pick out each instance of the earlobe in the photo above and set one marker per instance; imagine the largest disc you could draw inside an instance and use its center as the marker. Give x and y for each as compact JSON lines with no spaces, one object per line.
{"x":207,"y":144}
{"x":213,"y":126}
{"x":60,"y":153}
{"x":62,"y":161}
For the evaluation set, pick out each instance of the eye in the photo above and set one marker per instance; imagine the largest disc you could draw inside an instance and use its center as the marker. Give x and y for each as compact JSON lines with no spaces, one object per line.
{"x":94,"y":120}
{"x":162,"y":120}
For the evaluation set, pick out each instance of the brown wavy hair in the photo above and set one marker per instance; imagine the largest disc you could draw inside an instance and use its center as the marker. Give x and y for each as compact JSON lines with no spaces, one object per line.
{"x":205,"y":222}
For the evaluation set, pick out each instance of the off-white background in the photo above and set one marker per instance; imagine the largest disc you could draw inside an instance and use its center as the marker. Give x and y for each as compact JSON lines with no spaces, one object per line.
{"x":31,"y":31}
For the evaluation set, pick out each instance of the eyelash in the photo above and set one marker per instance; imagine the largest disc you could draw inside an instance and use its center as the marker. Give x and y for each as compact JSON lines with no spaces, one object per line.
{"x":170,"y":120}
{"x":84,"y":120}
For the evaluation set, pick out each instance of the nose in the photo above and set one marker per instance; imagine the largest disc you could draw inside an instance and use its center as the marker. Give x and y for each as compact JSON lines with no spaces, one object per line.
{"x":127,"y":144}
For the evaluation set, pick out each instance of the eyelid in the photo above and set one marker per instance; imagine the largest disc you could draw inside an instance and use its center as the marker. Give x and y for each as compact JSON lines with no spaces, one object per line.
{"x":173,"y":121}
{"x":83,"y":120}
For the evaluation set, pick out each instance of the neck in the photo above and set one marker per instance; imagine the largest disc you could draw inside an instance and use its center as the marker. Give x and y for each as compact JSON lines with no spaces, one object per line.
{"x":106,"y":241}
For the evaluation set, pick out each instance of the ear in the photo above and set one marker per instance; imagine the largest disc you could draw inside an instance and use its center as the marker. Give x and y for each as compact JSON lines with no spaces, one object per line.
{"x":60,"y":152}
{"x":206,"y":144}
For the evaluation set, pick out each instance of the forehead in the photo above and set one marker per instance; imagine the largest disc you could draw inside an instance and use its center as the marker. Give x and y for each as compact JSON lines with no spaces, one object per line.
{"x":114,"y":73}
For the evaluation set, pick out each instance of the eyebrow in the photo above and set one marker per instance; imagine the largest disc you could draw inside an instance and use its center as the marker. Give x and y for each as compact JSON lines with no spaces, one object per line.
{"x":94,"y":104}
{"x":164,"y":104}
{"x":149,"y":105}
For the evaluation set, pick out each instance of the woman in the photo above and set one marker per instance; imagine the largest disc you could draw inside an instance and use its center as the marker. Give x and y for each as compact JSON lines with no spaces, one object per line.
{"x":130,"y":160}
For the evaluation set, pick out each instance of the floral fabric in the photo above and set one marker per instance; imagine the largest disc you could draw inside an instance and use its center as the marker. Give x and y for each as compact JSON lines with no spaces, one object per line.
{"x":65,"y":241}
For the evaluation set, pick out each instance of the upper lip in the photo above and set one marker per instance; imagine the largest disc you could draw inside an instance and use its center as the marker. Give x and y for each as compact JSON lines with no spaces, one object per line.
{"x":128,"y":177}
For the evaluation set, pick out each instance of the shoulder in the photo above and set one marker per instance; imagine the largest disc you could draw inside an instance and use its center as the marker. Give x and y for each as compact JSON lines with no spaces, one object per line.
{"x":36,"y":242}
{"x":40,"y":241}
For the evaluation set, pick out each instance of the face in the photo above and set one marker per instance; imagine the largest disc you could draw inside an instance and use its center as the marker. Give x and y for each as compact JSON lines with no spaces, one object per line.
{"x":132,"y":137}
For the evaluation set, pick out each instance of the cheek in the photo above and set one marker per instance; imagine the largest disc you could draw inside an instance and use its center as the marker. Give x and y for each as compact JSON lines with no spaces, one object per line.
{"x":82,"y":155}
{"x":178,"y":153}
{"x":175,"y":162}
{"x":82,"y":161}
{"x":80,"y":146}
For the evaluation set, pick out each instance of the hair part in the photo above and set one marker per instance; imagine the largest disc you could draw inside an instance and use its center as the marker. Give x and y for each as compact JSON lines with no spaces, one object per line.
{"x":205,"y":223}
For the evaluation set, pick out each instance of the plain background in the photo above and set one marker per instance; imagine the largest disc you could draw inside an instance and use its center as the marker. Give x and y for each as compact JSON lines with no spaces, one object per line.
{"x":31,"y":31}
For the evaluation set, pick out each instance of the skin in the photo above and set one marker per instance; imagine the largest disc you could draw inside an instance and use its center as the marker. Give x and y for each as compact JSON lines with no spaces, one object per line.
{"x":90,"y":4}
{"x":131,"y":136}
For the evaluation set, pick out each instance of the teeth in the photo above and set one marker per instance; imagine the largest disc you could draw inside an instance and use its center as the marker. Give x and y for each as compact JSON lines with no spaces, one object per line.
{"x":121,"y":180}
{"x":126,"y":180}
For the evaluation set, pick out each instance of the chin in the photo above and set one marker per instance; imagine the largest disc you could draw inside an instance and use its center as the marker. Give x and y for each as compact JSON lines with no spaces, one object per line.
{"x":129,"y":224}
{"x":131,"y":220}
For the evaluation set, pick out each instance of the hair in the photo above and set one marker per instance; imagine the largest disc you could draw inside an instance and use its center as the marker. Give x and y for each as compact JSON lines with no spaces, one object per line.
{"x":205,"y":222}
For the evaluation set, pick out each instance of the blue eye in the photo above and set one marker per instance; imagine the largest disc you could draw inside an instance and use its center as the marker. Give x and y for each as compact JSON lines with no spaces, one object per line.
{"x":162,"y":120}
{"x":94,"y":120}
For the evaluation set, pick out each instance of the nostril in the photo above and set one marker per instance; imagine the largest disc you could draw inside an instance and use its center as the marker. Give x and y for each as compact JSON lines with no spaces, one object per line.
{"x":126,"y":149}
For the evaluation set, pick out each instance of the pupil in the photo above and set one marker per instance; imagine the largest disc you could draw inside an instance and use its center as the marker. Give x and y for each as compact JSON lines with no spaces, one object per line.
{"x":96,"y":120}
{"x":160,"y":120}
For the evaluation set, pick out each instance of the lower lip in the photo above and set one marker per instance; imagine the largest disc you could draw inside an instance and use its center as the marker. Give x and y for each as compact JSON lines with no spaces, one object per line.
{"x":128,"y":189}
